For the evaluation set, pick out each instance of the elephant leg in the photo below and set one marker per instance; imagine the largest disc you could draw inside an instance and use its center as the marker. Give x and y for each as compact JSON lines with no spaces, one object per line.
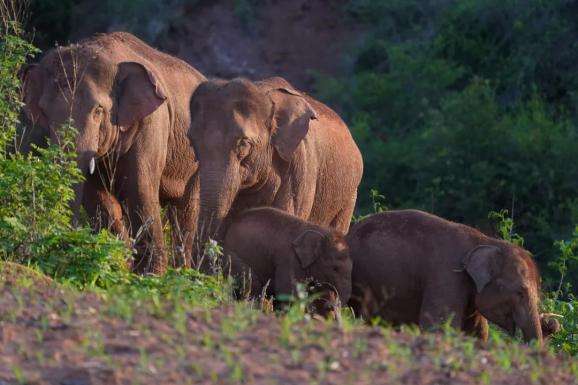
{"x":342,"y":220}
{"x":147,"y":231}
{"x":247,"y":284}
{"x":103,"y":209}
{"x":440,"y":304}
{"x":178,"y":258}
{"x":295,"y":198}
{"x":144,"y":213}
{"x":283,"y":285}
{"x":476,"y":325}
{"x":187,"y":214}
{"x":183,"y":217}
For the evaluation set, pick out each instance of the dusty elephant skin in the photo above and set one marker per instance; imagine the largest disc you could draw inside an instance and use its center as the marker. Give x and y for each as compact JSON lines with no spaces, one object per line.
{"x":279,"y":250}
{"x":130,"y":104}
{"x":413,"y":267}
{"x":266,"y":144}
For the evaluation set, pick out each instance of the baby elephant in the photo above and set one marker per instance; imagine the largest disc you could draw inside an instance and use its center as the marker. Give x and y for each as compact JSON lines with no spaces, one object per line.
{"x":413,"y":267}
{"x":279,"y":250}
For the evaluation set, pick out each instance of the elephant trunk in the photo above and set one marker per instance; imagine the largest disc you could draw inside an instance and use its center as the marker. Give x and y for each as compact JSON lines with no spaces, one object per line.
{"x":86,"y":161}
{"x":218,"y":190}
{"x":528,"y":319}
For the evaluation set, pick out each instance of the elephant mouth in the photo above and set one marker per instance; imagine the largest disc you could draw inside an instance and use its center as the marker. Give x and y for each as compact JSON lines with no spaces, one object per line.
{"x":326,"y":302}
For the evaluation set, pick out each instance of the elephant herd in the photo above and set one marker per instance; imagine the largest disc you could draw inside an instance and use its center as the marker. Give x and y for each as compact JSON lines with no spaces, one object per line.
{"x":272,"y":174}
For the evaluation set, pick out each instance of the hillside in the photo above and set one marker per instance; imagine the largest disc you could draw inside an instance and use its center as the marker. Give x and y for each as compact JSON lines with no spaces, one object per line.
{"x":172,"y":333}
{"x":294,"y":39}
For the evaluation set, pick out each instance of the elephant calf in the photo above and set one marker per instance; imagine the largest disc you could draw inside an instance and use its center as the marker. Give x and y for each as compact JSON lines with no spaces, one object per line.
{"x":413,"y":267}
{"x":279,"y":250}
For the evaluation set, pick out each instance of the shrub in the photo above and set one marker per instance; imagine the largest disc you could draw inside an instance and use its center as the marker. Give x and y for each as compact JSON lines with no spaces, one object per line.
{"x":462,"y":108}
{"x":37,"y":188}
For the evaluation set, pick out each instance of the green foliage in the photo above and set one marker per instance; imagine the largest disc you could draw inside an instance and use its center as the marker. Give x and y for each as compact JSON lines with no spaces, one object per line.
{"x":36,"y":190}
{"x":82,"y":258}
{"x":463,"y":108}
{"x":565,"y":340}
{"x":505,"y":227}
{"x":566,"y":261}
{"x":174,"y":290}
{"x":13,"y":54}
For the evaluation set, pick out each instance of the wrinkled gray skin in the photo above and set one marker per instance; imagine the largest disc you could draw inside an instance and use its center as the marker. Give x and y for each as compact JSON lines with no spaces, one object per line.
{"x":413,"y":267}
{"x":279,"y":250}
{"x":130,"y":105}
{"x":266,"y":144}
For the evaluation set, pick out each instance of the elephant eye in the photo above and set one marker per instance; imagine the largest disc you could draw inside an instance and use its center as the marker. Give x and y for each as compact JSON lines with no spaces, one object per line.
{"x":243,"y":147}
{"x":98,"y":111}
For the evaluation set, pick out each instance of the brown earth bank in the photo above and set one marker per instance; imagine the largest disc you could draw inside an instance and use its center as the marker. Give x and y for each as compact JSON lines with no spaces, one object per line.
{"x":51,"y":334}
{"x":289,"y":38}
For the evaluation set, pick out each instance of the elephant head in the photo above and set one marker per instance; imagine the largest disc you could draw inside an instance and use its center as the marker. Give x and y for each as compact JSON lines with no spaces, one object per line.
{"x":239,"y":130}
{"x":324,"y":260}
{"x":104,"y":99}
{"x":507,"y":286}
{"x":550,"y":324}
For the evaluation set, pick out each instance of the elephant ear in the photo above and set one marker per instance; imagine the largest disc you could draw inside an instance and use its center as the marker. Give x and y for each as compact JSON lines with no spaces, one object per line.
{"x":482,"y":264}
{"x":32,"y":77}
{"x":139,"y":94}
{"x":307,"y":246}
{"x":292,"y":116}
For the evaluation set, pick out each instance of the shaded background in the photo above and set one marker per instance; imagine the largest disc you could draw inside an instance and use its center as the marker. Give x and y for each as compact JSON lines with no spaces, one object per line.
{"x":459,"y":107}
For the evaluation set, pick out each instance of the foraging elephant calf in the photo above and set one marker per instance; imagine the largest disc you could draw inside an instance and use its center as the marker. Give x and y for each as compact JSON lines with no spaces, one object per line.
{"x":413,"y":267}
{"x":131,"y":106}
{"x":279,"y":250}
{"x":266,"y":144}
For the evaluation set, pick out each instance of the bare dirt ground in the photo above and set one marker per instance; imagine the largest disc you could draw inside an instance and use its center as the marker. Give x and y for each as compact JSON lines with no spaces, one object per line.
{"x":50,"y":334}
{"x":293,"y":39}
{"x":287,"y":38}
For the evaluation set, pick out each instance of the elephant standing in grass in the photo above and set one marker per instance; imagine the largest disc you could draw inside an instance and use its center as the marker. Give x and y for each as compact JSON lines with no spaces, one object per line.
{"x":266,"y":144}
{"x":131,"y":106}
{"x":413,"y":267}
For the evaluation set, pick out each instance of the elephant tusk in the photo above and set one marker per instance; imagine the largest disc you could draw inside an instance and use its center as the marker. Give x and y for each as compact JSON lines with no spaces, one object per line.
{"x":338,"y":318}
{"x":91,"y":166}
{"x":552,"y":315}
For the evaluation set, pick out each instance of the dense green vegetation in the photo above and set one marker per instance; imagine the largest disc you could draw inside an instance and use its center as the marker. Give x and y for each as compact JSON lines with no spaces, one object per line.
{"x":466,"y":107}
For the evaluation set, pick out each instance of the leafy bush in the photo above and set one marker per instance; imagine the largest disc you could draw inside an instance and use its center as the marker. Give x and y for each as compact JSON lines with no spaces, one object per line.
{"x":82,"y":258}
{"x":36,"y":190}
{"x":463,"y":108}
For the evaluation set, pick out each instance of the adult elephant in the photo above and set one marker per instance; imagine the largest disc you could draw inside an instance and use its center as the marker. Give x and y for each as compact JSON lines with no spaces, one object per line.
{"x":130,"y":105}
{"x":266,"y":144}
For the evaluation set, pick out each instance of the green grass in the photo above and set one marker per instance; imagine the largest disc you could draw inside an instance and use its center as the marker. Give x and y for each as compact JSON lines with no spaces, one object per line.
{"x":164,"y":309}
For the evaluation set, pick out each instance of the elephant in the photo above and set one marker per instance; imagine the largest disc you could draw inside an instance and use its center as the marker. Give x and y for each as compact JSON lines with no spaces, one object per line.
{"x":276,"y":250}
{"x":550,"y":324}
{"x":413,"y":267}
{"x":130,"y":106}
{"x":266,"y":144}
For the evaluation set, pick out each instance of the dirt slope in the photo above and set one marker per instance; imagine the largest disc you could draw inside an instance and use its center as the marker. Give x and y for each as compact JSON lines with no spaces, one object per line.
{"x":272,"y":37}
{"x":53,"y":335}
{"x":288,"y":38}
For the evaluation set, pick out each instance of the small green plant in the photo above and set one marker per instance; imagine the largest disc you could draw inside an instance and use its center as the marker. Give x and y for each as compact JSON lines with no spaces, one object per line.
{"x":378,"y":205}
{"x":568,"y":257}
{"x":378,"y":201}
{"x":505,"y":227}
